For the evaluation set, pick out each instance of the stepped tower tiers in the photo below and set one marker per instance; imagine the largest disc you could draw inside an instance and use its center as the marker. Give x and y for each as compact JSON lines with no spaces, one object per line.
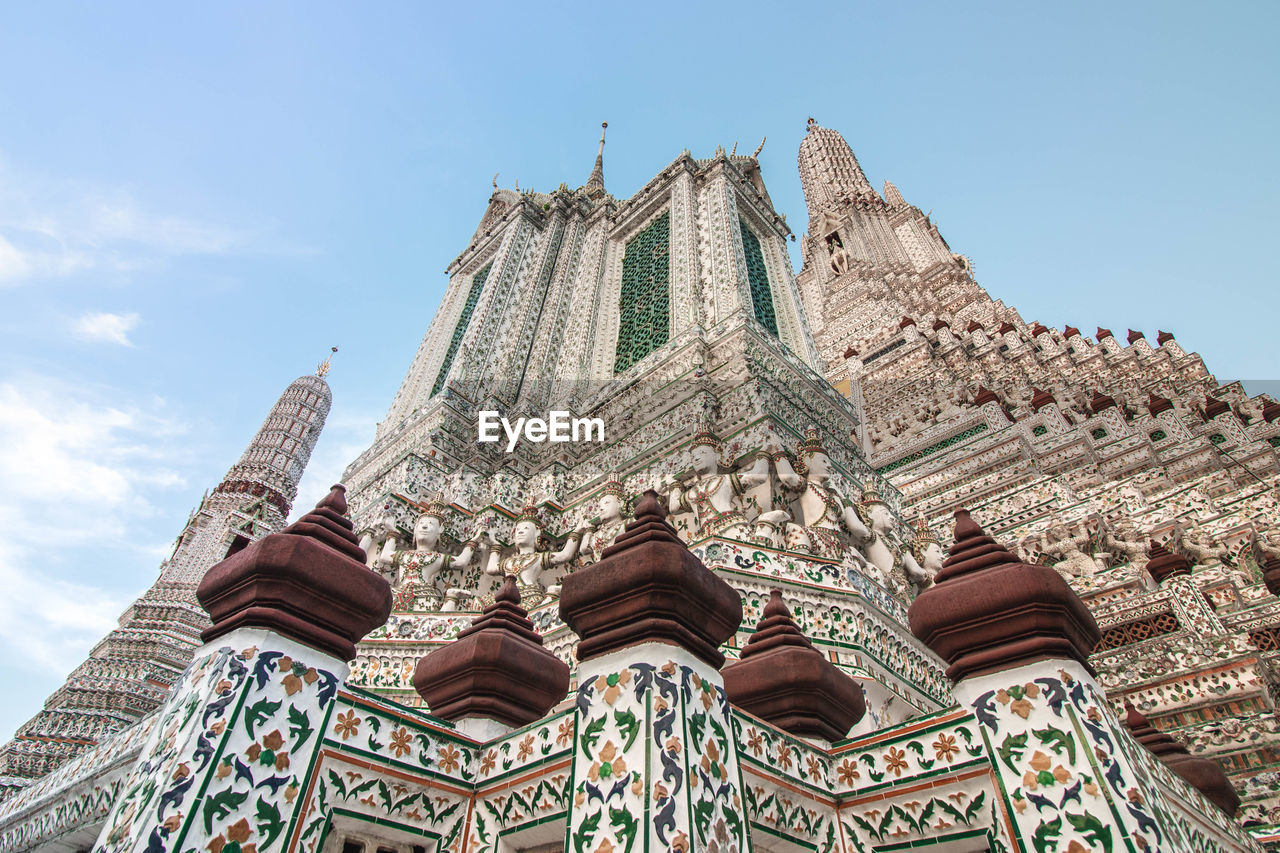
{"x":704,"y":629}
{"x":131,"y":670}
{"x":673,"y":318}
{"x":1080,"y":449}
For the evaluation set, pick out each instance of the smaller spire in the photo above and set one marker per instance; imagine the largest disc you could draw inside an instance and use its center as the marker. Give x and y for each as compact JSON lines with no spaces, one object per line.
{"x":759,"y":147}
{"x":1101,"y":402}
{"x":1156,"y":404}
{"x":322,"y":369}
{"x":1214,"y":407}
{"x":893,"y":196}
{"x":1103,"y":333}
{"x":1203,"y":774}
{"x":595,"y":183}
{"x":783,"y":679}
{"x":1163,"y":337}
{"x":1164,"y":564}
{"x":1040,"y":398}
{"x":1134,"y":337}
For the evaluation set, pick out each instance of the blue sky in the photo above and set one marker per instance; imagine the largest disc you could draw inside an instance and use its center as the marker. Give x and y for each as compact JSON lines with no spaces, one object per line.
{"x":197,"y":201}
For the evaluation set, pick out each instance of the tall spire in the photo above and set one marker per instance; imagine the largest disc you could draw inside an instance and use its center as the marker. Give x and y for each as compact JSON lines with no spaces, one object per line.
{"x":595,"y":183}
{"x":129,"y":673}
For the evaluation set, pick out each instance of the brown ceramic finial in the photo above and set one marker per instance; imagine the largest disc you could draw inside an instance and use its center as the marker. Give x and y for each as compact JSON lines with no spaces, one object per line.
{"x":988,"y":612}
{"x":906,"y":321}
{"x":1040,"y":399}
{"x":985,"y":395}
{"x":648,"y":587}
{"x":1214,"y":407}
{"x":1070,"y":332}
{"x":1201,"y":773}
{"x":974,"y":326}
{"x":1164,"y":564}
{"x":1270,"y":411}
{"x":1103,"y":333}
{"x":497,"y":669}
{"x":1163,"y":337}
{"x":1101,"y":402}
{"x":784,"y":680}
{"x":1156,"y":405}
{"x":1135,"y":336}
{"x":308,"y":582}
{"x":1271,"y":574}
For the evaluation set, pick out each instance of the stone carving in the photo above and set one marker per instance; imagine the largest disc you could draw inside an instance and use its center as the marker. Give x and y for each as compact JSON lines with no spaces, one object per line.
{"x":418,"y":567}
{"x":527,"y":562}
{"x":711,"y":495}
{"x":1067,"y":546}
{"x":603,"y":530}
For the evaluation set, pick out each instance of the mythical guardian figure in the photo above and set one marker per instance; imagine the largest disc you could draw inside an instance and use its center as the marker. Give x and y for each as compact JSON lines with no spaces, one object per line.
{"x":418,"y":567}
{"x":711,"y":495}
{"x":601,"y":531}
{"x":526,"y":562}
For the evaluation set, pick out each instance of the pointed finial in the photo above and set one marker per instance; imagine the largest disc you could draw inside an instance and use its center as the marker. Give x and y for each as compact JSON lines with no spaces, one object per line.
{"x":734,"y":151}
{"x":759,"y":147}
{"x":595,"y":183}
{"x":812,"y":124}
{"x":495,"y":179}
{"x":322,"y":369}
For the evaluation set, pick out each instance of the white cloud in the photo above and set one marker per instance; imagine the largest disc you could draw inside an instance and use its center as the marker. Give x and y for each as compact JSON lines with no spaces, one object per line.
{"x":51,"y":229}
{"x":79,"y":475}
{"x":106,"y":328}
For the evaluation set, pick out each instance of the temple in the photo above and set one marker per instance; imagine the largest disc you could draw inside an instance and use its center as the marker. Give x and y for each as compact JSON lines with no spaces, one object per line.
{"x":851,"y":565}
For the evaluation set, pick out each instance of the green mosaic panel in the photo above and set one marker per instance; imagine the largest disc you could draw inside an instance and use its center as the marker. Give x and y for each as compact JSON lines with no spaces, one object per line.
{"x":758,"y":278}
{"x":1159,"y":435}
{"x":1099,"y":434}
{"x":644,"y":305}
{"x":473,"y":296}
{"x":1218,"y":438}
{"x":1040,"y":430}
{"x":932,"y":449}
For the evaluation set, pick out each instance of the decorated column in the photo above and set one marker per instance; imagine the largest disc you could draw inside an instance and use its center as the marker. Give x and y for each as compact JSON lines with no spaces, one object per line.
{"x":232,"y":746}
{"x":655,"y":766}
{"x":1072,"y":778}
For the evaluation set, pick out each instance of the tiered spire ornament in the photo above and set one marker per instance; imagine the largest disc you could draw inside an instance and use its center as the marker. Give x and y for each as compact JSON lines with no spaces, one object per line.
{"x":649,"y":588}
{"x":986,"y":611}
{"x":1164,"y":564}
{"x":1156,"y":404}
{"x":308,"y":582}
{"x":595,"y":183}
{"x":497,"y":669}
{"x":784,"y":680}
{"x":1201,"y":773}
{"x":1040,"y":398}
{"x":1101,"y":402}
{"x":322,"y":369}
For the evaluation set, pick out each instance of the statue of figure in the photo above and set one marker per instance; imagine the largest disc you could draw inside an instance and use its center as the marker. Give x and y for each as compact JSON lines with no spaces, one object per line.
{"x":379,"y":543}
{"x":829,"y":526}
{"x":526,"y":563}
{"x":710,"y":495}
{"x":1200,"y":545}
{"x":1125,"y":540}
{"x":604,"y":529}
{"x":1072,"y":561}
{"x":839,"y":259}
{"x":419,"y":566}
{"x":923,"y":558}
{"x":884,"y":549}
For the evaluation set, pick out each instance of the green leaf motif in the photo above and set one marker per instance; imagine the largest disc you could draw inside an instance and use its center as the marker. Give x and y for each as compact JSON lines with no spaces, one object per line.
{"x":258,"y":713}
{"x":591,"y":735}
{"x":586,"y":830}
{"x":1093,"y":830}
{"x":270,"y":823}
{"x":628,"y":726}
{"x":1057,"y":740}
{"x":625,"y":825}
{"x":299,"y":727}
{"x":1012,"y":748}
{"x":220,"y":805}
{"x":1044,"y":833}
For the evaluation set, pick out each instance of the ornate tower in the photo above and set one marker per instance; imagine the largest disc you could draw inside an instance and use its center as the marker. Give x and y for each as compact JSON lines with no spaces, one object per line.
{"x":131,"y":670}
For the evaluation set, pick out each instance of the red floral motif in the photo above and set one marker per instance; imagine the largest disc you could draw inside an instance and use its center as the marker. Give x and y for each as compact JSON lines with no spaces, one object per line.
{"x":848,"y":772}
{"x":449,"y":758}
{"x":348,"y":725}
